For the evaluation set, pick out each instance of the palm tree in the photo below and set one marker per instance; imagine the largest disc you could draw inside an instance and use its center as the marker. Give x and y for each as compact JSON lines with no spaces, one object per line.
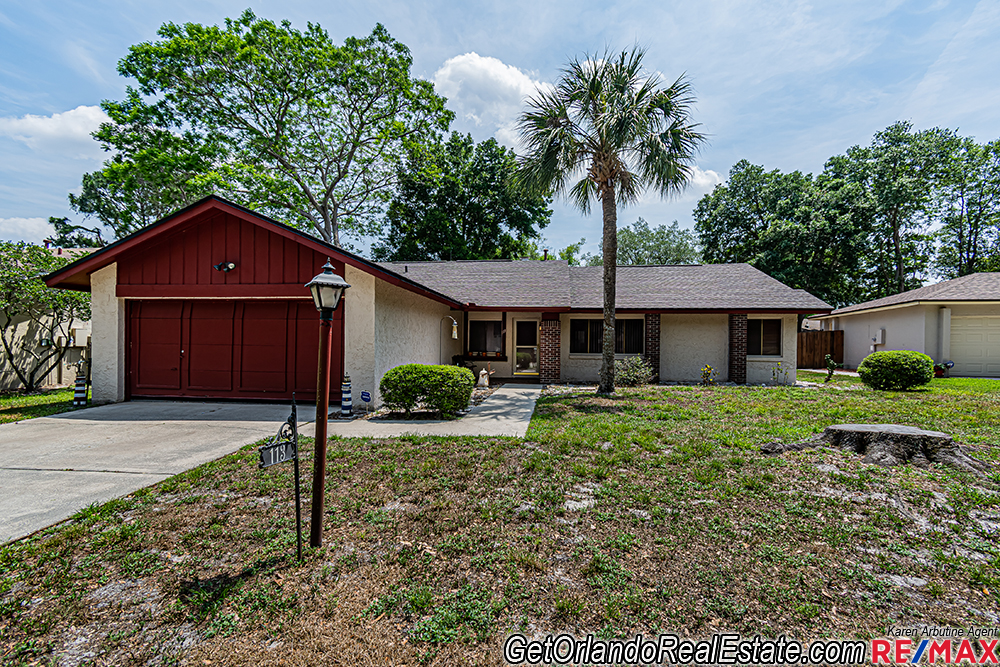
{"x":609,"y":123}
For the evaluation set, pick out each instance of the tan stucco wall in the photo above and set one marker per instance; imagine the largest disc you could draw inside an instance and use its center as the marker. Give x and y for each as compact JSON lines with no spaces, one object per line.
{"x":28,"y":338}
{"x":107,"y":337}
{"x":583,"y":367}
{"x":689,"y":342}
{"x":359,"y":331}
{"x":910,"y":328}
{"x":408,"y":330}
{"x":760,"y":370}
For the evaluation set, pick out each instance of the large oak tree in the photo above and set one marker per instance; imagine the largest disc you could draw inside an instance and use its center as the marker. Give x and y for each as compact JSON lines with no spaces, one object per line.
{"x":291,"y":123}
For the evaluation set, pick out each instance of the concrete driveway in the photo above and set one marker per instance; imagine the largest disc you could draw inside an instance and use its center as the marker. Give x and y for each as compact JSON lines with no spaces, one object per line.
{"x":51,"y":467}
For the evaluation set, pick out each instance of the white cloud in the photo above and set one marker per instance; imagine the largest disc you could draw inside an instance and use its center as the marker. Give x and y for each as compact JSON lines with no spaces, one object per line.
{"x":486,"y":95}
{"x":66,"y":133}
{"x":24,"y":229}
{"x":705,"y":179}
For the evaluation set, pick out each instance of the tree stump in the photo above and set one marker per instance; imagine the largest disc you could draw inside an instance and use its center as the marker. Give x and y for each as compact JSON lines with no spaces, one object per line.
{"x":889,"y":445}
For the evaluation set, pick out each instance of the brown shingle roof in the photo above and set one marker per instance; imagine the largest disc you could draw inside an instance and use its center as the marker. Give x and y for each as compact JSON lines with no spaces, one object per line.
{"x":494,"y":283}
{"x":973,"y":287}
{"x":691,"y":287}
{"x":555,"y":284}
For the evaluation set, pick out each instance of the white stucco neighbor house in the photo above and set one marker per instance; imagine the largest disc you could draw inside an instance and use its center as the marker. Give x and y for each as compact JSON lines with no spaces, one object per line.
{"x":955,"y":320}
{"x":210,"y":302}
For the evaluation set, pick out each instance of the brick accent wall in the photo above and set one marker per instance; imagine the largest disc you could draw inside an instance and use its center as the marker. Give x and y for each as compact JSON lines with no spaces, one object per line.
{"x":652,"y":346}
{"x":548,"y":365}
{"x":738,"y":348}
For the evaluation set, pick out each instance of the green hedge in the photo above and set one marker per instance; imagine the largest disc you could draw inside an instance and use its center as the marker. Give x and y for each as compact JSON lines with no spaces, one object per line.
{"x":896,"y":369}
{"x":444,"y":389}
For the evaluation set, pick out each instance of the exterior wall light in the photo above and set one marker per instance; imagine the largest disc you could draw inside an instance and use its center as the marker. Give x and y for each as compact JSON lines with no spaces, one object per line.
{"x":225,"y":267}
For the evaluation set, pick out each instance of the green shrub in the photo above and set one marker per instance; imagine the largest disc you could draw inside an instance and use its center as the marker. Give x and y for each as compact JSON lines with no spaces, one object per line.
{"x":444,"y":389}
{"x":632,"y":371}
{"x":896,"y":369}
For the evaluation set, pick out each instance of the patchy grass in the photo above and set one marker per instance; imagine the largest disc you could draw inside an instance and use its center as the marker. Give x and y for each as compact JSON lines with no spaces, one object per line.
{"x":648,"y":511}
{"x":18,"y":407}
{"x":820,"y":377}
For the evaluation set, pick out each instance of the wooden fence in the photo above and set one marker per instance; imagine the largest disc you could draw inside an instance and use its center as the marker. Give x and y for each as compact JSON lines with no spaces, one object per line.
{"x":813,"y":347}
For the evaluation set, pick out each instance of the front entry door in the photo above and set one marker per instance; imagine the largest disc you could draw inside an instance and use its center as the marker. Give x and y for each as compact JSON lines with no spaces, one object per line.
{"x":525,"y":347}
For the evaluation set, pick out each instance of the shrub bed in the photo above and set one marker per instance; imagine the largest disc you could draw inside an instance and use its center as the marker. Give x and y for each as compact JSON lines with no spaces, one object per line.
{"x":632,"y":371}
{"x":896,"y":370}
{"x":444,"y":389}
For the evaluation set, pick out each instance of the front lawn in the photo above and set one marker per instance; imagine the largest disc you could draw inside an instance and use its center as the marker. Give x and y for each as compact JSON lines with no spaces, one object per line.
{"x":651,"y":511}
{"x":18,"y":407}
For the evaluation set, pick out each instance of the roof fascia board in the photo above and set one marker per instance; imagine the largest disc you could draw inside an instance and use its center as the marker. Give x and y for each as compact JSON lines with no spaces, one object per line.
{"x":662,"y":311}
{"x":907,"y":304}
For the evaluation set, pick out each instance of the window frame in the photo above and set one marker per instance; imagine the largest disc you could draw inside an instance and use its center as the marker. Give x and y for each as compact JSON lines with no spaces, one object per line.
{"x":598,"y":325}
{"x":760,"y":353}
{"x":496,"y":323}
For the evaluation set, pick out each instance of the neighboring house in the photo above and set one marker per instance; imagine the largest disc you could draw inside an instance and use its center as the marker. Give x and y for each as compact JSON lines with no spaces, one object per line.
{"x":33,"y":338}
{"x":168,"y":320}
{"x":955,"y":320}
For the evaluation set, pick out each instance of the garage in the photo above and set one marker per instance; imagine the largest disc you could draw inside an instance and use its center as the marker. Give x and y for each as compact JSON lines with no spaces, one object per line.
{"x":975,"y":346}
{"x":239,"y":349}
{"x":211,"y":302}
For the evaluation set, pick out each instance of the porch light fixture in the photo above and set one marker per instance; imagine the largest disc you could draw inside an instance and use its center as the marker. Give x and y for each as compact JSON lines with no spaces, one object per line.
{"x":225,"y":267}
{"x":326,"y":288}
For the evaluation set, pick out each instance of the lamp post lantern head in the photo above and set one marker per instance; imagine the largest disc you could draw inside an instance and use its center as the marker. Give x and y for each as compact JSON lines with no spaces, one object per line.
{"x":327,"y":288}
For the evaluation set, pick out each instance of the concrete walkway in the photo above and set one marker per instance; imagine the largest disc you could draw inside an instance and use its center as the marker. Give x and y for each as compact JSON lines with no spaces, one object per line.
{"x":51,"y":467}
{"x":507,"y":412}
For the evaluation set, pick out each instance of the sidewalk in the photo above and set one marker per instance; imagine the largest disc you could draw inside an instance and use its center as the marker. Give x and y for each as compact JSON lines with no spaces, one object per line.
{"x":507,"y":412}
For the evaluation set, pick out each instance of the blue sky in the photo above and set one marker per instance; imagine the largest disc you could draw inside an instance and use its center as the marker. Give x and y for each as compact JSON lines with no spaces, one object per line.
{"x":784,"y":84}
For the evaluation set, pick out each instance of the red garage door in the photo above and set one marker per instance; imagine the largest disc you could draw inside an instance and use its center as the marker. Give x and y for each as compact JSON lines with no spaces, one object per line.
{"x":227,"y":349}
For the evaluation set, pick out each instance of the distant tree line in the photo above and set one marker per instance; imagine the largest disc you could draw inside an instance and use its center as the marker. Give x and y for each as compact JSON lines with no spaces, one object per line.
{"x":877,"y":221}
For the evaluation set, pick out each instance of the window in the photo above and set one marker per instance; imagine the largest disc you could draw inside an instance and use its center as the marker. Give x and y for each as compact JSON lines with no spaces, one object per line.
{"x":764,"y":337}
{"x":485,"y":336}
{"x":586,"y":336}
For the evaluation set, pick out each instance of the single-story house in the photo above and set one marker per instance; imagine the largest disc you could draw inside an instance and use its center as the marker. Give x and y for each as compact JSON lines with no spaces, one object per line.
{"x":955,"y":320}
{"x":33,"y":339}
{"x":210,"y":303}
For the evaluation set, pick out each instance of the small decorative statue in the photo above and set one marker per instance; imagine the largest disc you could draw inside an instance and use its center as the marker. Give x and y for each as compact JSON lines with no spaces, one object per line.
{"x":484,"y":376}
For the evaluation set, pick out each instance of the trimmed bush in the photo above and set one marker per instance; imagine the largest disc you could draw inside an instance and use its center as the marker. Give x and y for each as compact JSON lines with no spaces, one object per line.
{"x":896,"y":370}
{"x":632,"y":371}
{"x":444,"y":389}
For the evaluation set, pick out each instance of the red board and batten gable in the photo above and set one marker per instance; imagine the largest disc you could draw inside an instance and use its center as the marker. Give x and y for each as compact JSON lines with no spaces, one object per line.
{"x":180,"y":264}
{"x":248,"y":333}
{"x":76,"y":275}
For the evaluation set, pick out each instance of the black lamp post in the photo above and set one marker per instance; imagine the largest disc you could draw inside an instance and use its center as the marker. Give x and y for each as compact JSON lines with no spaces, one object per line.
{"x":326,"y":288}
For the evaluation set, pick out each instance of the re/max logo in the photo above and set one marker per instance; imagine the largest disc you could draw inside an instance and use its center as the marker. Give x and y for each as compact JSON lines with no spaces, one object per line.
{"x":949,"y":651}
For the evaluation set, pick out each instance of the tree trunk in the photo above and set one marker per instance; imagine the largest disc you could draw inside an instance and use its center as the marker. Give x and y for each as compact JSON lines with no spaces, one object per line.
{"x":897,"y":247}
{"x":607,"y":380}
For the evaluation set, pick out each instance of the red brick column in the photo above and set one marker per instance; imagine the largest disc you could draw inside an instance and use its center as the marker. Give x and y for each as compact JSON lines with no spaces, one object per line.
{"x":548,"y":365}
{"x":652,"y":346}
{"x":738,"y":348}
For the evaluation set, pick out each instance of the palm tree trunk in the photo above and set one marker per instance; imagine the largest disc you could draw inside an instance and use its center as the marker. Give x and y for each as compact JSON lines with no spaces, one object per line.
{"x":607,"y":379}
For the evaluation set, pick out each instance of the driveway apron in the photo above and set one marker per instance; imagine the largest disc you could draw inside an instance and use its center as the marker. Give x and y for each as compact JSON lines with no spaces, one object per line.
{"x":51,"y":467}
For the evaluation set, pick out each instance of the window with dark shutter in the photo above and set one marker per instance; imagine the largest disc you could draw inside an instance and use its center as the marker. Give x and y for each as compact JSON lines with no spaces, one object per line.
{"x":587,"y":336}
{"x":764,"y":338}
{"x":628,"y":336}
{"x":485,"y":336}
